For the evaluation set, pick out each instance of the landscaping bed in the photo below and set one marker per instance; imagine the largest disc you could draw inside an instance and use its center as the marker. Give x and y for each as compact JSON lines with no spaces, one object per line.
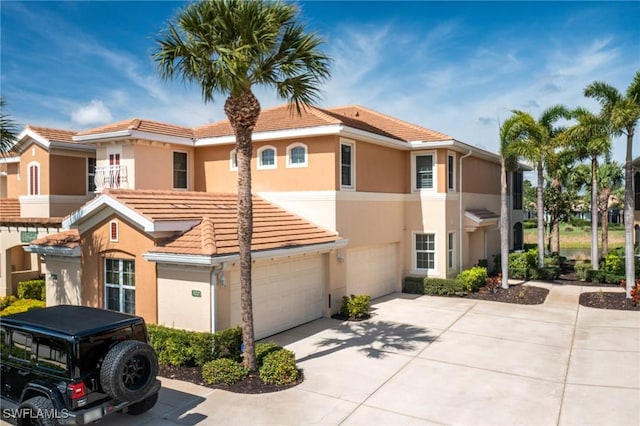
{"x":519,"y":294}
{"x":608,"y":300}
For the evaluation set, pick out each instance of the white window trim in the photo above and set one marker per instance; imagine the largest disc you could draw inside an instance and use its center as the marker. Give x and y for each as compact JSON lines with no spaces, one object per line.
{"x":413,"y":171}
{"x":451,"y":154}
{"x":120,"y":286}
{"x":306,"y":155}
{"x":275,"y":158}
{"x":415,"y":253}
{"x":351,"y":187}
{"x":186,"y":188}
{"x":233,"y":165}
{"x":117,"y":238}
{"x":451,"y":236}
{"x":31,"y":164}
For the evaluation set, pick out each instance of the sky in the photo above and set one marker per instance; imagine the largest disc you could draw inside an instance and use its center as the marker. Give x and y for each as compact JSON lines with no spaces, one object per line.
{"x":455,"y":67}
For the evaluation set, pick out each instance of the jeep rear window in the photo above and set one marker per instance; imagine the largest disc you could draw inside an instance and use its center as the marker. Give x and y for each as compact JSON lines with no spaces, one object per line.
{"x":52,"y":355}
{"x":21,"y":346}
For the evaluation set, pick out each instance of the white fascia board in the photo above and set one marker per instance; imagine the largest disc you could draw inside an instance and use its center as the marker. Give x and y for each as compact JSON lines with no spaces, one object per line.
{"x":96,"y":137}
{"x":72,"y":146}
{"x":84,"y":212}
{"x":54,"y":251}
{"x":200,"y":260}
{"x":478,"y":220}
{"x":135,"y":134}
{"x":332,"y":129}
{"x":373,"y":138}
{"x":33,"y":135}
{"x":452,"y":143}
{"x":9,"y":160}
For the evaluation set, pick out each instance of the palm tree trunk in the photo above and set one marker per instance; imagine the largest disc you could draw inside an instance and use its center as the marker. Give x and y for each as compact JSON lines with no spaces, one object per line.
{"x":504,"y":227}
{"x":555,"y":236}
{"x":243,"y":112}
{"x":540,"y":218}
{"x":594,"y":214}
{"x":628,"y":215}
{"x":603,"y":208}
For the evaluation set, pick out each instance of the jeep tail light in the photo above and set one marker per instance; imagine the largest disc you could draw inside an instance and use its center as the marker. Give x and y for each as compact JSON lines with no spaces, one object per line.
{"x":77,"y":390}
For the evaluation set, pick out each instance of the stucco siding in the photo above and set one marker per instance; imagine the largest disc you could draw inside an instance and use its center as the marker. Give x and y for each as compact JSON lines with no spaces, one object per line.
{"x":480,"y":176}
{"x":68,"y":175}
{"x":63,"y":280}
{"x":184,"y":297}
{"x":381,"y":169}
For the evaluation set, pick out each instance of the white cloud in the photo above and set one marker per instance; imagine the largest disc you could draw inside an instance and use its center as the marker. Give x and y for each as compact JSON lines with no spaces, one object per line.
{"x":94,"y":113}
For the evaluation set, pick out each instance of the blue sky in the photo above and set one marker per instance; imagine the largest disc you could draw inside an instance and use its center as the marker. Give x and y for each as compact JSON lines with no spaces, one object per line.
{"x":455,"y":67}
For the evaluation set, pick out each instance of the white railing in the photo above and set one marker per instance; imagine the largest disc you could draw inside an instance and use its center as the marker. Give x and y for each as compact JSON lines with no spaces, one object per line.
{"x":111,"y":177}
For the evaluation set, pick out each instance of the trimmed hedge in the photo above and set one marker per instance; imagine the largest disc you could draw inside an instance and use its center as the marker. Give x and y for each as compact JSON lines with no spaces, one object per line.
{"x":32,"y":289}
{"x":472,"y":279}
{"x":603,"y":277}
{"x":279,"y":368}
{"x":413,"y":285}
{"x":22,"y":305}
{"x":581,"y":270}
{"x":356,"y":306}
{"x":223,"y":370}
{"x":443,"y":287}
{"x":264,"y":349}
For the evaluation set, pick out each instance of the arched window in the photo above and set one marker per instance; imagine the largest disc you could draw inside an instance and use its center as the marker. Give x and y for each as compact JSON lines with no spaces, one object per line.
{"x":267,"y":157}
{"x":34,"y":178}
{"x":518,"y":238}
{"x":297,"y":155}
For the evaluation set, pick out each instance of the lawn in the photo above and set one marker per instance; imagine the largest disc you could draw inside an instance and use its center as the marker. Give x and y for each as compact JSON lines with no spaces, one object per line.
{"x":577,"y":237}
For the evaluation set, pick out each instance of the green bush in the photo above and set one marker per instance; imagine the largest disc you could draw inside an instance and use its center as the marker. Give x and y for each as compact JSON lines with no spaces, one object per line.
{"x":264,"y":349}
{"x":602,"y":276}
{"x":226,"y":343}
{"x":548,"y":273}
{"x":568,"y":229}
{"x":22,"y":305}
{"x":413,"y":285}
{"x":472,"y":279}
{"x":356,"y":306}
{"x":614,"y":264}
{"x":279,"y":368}
{"x":6,"y":301}
{"x":223,"y":371}
{"x":577,"y":222}
{"x":32,"y":289}
{"x":522,"y":265}
{"x":581,"y":270}
{"x":530,"y":223}
{"x":443,"y":287}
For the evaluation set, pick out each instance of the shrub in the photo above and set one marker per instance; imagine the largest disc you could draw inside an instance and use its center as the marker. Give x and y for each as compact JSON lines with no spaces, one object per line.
{"x":581,"y":270}
{"x":279,"y":368}
{"x":483,"y":263}
{"x":568,"y":229}
{"x":22,"y":305}
{"x":603,"y":276}
{"x":529,"y":223}
{"x":443,"y":287}
{"x":413,"y":285}
{"x":32,"y":289}
{"x":522,"y":265}
{"x":548,"y":273}
{"x":223,"y":370}
{"x":356,"y":306}
{"x":226,"y":343}
{"x":614,"y":264}
{"x":264,"y":349}
{"x":472,"y":279}
{"x":6,"y":301}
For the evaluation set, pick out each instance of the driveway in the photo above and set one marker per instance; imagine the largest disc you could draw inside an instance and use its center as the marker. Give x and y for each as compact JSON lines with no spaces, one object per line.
{"x":434,"y":360}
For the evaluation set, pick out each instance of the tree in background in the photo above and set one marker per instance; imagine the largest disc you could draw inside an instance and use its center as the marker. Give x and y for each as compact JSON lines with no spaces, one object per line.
{"x":622,"y":113}
{"x":560,"y":193}
{"x":8,"y":129}
{"x":227,"y":47}
{"x":610,"y":178}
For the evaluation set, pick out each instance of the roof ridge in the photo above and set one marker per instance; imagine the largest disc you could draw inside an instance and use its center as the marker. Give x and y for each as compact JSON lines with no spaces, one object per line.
{"x":34,"y":128}
{"x":319,"y":112}
{"x":208,"y":236}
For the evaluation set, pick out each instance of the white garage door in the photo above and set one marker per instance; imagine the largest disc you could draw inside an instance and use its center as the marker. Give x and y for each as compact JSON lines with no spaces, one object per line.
{"x":372,"y":270}
{"x":286,"y":293}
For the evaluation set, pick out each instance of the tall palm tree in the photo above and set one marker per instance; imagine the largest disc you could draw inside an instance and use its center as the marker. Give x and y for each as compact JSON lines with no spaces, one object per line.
{"x":8,"y":129}
{"x":559,"y":195}
{"x":610,"y":177}
{"x":589,"y":138}
{"x":508,"y":163}
{"x":622,"y":113}
{"x":536,"y":142}
{"x":227,"y":47}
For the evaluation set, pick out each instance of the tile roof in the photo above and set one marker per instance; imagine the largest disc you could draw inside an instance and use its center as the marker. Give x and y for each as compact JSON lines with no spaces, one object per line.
{"x":50,"y":134}
{"x":67,"y":239}
{"x":216,"y":233}
{"x":142,"y":125}
{"x":9,"y":207}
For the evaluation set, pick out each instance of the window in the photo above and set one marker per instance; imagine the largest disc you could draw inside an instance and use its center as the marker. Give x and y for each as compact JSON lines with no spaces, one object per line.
{"x":424,"y":172}
{"x":113,"y":231}
{"x":425,"y":246}
{"x":233,"y":160}
{"x":518,"y":240}
{"x":636,"y":185}
{"x":21,"y":346}
{"x":51,"y":354}
{"x":120,"y":290}
{"x":517,"y":191}
{"x":346,"y":165}
{"x":267,"y":157}
{"x":451,"y":175}
{"x":91,"y":174}
{"x":297,"y":155}
{"x":34,"y":179}
{"x":179,"y":170}
{"x":451,"y":254}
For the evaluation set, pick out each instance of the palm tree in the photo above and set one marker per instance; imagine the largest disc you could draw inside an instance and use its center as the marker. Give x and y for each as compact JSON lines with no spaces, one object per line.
{"x":589,"y":138}
{"x":610,"y":177}
{"x":8,"y":129}
{"x":508,"y":163}
{"x":227,"y":47}
{"x":622,"y":112}
{"x":559,"y":195}
{"x":536,"y":141}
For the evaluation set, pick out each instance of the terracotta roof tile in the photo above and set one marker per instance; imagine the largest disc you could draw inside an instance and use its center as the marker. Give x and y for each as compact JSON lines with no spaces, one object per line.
{"x":42,"y":222}
{"x":9,"y":207}
{"x":69,"y":239}
{"x":50,"y":134}
{"x":142,"y":126}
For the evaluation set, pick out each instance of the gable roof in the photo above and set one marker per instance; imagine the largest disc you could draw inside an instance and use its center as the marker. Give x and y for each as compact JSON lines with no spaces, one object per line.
{"x":48,"y":138}
{"x":53,"y":135}
{"x":141,"y":125}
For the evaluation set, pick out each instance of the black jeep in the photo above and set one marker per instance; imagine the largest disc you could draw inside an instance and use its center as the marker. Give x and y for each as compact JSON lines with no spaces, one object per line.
{"x":74,"y":365}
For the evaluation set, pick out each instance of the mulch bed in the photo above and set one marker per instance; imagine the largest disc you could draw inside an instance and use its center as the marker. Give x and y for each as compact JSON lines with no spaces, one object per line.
{"x":250,"y":385}
{"x":520,"y":294}
{"x":608,"y":300}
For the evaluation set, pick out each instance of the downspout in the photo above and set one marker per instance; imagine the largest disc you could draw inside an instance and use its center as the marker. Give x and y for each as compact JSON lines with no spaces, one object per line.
{"x":460,"y":207}
{"x":215,"y":272}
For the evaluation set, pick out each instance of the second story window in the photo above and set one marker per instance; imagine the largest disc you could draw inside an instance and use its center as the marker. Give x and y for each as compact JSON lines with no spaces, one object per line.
{"x":91,"y":175}
{"x":451,"y":174}
{"x":424,"y":172}
{"x":267,"y":157}
{"x":517,"y":191}
{"x":34,"y":179}
{"x":346,"y":165}
{"x":297,"y":155}
{"x":180,"y":170}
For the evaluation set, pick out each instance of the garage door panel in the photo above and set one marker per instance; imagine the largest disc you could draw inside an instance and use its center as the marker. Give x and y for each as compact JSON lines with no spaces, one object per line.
{"x":372,"y":270}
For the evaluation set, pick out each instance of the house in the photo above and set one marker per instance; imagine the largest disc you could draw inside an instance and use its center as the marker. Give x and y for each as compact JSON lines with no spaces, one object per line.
{"x":397,"y":199}
{"x":47,"y":176}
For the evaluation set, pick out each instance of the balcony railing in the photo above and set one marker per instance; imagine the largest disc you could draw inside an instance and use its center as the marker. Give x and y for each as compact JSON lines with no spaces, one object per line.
{"x":111,"y":177}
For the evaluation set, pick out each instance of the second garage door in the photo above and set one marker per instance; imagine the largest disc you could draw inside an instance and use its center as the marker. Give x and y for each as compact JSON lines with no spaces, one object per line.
{"x":372,"y":270}
{"x":286,"y":293}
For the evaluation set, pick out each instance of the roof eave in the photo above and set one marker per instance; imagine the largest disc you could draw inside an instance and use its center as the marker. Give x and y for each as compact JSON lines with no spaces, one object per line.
{"x":46,"y":250}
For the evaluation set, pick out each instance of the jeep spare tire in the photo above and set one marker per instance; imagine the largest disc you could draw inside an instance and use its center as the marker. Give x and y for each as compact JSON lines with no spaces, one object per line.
{"x":129,"y":370}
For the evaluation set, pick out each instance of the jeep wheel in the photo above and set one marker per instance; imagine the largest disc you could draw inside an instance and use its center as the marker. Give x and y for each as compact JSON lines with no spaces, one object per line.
{"x":143,"y":406}
{"x":129,"y":370}
{"x":37,"y":411}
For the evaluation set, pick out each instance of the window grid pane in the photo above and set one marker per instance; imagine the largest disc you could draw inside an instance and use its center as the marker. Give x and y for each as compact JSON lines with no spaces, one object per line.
{"x":268,"y":158}
{"x":345,"y":155}
{"x":424,"y":172}
{"x":180,"y":170}
{"x":450,"y":172}
{"x":425,"y":251}
{"x":297,"y":155}
{"x":120,"y":285}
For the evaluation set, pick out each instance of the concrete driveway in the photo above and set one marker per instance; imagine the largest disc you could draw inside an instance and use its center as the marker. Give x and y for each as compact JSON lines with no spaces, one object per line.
{"x":433,"y":360}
